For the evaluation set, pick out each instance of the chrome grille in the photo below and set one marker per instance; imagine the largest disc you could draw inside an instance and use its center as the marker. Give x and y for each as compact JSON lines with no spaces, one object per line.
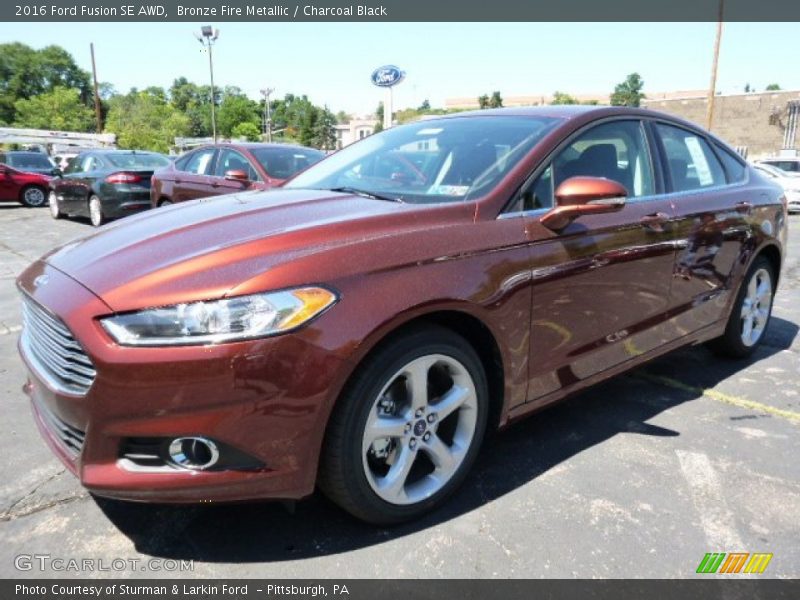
{"x":54,"y":352}
{"x":71,"y":438}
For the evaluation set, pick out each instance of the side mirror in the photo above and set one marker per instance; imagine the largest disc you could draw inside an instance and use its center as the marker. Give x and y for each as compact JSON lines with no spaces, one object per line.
{"x":56,"y":172}
{"x":237,"y":175}
{"x":579,"y":196}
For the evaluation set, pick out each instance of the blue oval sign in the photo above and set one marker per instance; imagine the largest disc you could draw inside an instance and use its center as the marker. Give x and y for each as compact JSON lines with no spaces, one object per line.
{"x":387,"y":76}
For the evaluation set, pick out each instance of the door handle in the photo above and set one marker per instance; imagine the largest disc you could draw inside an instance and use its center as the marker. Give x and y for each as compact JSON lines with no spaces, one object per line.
{"x":654,"y":221}
{"x":744,"y":207}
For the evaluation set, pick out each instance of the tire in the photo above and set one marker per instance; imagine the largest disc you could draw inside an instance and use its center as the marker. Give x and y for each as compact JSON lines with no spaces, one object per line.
{"x":750,"y":314}
{"x":423,"y":456}
{"x":96,"y":215}
{"x":55,"y":208}
{"x":33,"y":196}
{"x":165,"y":203}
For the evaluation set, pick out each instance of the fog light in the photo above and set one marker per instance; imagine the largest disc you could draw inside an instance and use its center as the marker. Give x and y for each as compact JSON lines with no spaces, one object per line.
{"x":193,"y":453}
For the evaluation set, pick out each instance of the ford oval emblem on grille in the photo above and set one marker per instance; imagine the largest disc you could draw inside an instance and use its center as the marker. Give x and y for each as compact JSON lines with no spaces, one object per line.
{"x":41,"y":280}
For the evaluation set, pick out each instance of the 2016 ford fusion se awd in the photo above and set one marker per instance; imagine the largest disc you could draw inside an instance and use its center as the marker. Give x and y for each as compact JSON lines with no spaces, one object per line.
{"x":361,"y":328}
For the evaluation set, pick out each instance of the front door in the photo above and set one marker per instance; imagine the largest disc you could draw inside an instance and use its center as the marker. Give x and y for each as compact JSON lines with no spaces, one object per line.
{"x":601,"y":285}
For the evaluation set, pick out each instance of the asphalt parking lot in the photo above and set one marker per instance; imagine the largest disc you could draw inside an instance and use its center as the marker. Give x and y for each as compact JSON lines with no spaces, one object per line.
{"x":639,"y":477}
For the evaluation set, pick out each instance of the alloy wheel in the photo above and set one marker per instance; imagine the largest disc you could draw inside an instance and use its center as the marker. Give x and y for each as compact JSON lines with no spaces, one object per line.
{"x":419,"y":429}
{"x":34,"y":196}
{"x":756,"y":307}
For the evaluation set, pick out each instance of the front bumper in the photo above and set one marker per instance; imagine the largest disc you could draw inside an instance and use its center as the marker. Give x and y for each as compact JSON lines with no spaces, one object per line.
{"x":268,"y":399}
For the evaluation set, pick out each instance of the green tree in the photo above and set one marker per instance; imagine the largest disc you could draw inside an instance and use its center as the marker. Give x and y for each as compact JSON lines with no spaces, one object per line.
{"x":563,"y":98}
{"x":235,"y":109}
{"x":342,"y":117}
{"x":483,"y":101}
{"x":324,"y":130}
{"x":629,"y":92}
{"x":25,"y":73}
{"x":748,"y":89}
{"x":145,"y":121}
{"x":59,"y":109}
{"x":773,"y":87}
{"x":425,"y":106}
{"x":496,"y":101}
{"x":248,"y":131}
{"x":379,"y":117}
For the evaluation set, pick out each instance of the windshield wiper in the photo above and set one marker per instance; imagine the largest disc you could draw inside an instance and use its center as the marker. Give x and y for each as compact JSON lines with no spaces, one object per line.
{"x":365,"y":194}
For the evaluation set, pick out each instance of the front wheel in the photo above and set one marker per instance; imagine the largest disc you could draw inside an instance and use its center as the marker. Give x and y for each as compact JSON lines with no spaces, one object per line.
{"x":407,"y":429}
{"x":33,"y":196}
{"x":751,"y":312}
{"x":96,"y":211}
{"x":55,"y":209}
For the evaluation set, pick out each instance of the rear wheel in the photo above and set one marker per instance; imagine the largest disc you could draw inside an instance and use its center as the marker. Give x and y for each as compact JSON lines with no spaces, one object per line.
{"x":165,"y":203}
{"x":751,"y":312}
{"x":33,"y":196}
{"x":408,"y":429}
{"x":55,"y":209}
{"x":96,"y":211}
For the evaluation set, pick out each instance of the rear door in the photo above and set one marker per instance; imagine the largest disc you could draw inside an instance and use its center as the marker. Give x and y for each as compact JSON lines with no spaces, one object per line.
{"x":601,"y":285}
{"x":69,"y":188}
{"x":712,"y":217}
{"x":194,"y":180}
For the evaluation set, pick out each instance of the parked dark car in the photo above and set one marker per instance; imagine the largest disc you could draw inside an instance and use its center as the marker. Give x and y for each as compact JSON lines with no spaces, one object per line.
{"x":360,"y":328}
{"x":104,"y":184}
{"x":26,"y":188}
{"x":28,"y":162}
{"x":228,"y":168}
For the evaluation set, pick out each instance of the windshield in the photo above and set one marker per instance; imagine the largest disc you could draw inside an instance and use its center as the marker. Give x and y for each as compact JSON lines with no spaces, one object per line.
{"x":444,"y":160}
{"x":282,"y":163}
{"x":137,"y":161}
{"x":33,"y":160}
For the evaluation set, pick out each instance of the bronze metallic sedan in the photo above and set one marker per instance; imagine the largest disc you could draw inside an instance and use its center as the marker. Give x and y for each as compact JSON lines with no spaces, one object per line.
{"x":360,"y":328}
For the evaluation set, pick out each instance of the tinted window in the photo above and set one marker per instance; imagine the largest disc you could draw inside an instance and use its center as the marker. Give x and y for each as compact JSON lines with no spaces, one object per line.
{"x":75,"y":164}
{"x":692,"y":164}
{"x":137,"y":160}
{"x":786,"y":165}
{"x":282,"y":163}
{"x":231,"y":160}
{"x":616,"y":150}
{"x":465,"y":158}
{"x":733,"y":166}
{"x":89,"y":164}
{"x":199,"y":162}
{"x":28,"y":160}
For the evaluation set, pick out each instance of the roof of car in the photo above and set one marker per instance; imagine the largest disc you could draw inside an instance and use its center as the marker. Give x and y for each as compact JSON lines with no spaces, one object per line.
{"x":255,"y":145}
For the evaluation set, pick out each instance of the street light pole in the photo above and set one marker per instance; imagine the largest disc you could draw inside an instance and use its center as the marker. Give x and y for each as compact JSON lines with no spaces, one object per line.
{"x":267,"y":113}
{"x":207,"y":37}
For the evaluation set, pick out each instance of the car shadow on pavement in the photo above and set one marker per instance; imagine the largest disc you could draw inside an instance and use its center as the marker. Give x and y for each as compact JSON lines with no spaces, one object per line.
{"x":259,"y":532}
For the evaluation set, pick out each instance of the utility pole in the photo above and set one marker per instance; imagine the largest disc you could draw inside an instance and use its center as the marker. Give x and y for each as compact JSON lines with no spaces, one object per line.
{"x":713,"y":87}
{"x":97,"y":115}
{"x":267,"y":113}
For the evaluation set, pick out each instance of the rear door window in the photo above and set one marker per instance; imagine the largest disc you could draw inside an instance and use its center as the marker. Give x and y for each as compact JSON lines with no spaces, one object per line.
{"x":199,"y":162}
{"x":692,"y":164}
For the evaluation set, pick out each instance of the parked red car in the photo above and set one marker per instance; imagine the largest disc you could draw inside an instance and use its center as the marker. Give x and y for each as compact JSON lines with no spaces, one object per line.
{"x":360,"y":328}
{"x":26,"y":188}
{"x":229,"y":168}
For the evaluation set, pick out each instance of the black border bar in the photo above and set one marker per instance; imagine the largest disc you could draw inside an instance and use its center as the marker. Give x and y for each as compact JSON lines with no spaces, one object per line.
{"x":709,"y":588}
{"x":218,"y":11}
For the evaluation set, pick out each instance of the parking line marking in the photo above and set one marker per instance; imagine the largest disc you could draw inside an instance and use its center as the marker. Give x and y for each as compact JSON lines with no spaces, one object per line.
{"x":715,"y":516}
{"x":722,"y":397}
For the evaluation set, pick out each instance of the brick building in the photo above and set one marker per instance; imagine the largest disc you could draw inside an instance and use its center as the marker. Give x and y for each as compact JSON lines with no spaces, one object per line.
{"x":759,"y":124}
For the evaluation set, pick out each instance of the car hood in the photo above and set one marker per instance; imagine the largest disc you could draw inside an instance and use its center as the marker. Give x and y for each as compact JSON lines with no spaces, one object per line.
{"x":205,"y":249}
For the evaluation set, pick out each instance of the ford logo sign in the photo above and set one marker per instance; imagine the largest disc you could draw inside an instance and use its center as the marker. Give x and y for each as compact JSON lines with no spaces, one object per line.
{"x":387,"y":76}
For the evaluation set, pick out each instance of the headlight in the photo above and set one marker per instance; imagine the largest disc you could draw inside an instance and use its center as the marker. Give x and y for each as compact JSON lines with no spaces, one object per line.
{"x":226,"y":320}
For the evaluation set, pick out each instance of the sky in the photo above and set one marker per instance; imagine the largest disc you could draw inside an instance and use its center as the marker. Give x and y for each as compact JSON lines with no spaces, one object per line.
{"x":332,"y":62}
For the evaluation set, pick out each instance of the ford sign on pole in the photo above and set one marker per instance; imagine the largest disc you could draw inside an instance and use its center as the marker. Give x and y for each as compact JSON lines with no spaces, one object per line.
{"x":387,"y":77}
